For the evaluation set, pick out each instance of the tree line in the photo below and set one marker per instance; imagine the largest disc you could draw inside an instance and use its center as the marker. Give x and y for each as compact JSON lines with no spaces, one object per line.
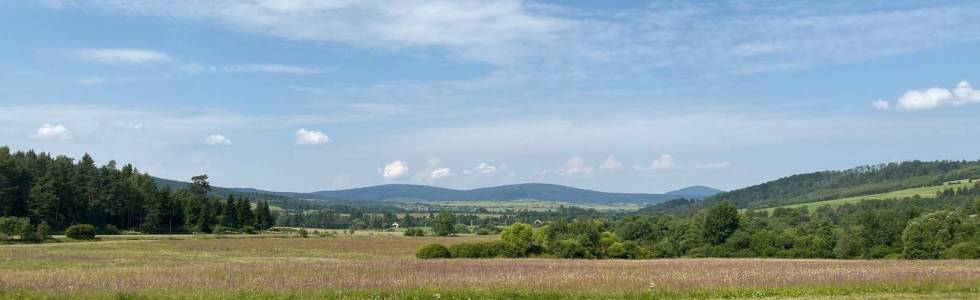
{"x":56,"y":192}
{"x":946,"y":226}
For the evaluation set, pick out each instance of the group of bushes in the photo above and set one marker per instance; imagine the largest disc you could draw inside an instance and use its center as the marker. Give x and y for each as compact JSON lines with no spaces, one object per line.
{"x":415,"y":232}
{"x":15,"y":229}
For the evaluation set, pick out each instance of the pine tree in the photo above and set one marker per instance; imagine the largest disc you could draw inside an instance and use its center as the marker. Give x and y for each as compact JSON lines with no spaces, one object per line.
{"x":244,"y":212}
{"x":43,"y":201}
{"x":263,"y":216}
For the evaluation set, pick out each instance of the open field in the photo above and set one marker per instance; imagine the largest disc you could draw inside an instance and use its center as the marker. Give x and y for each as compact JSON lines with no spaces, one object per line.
{"x":924,"y":192}
{"x":383,"y":267}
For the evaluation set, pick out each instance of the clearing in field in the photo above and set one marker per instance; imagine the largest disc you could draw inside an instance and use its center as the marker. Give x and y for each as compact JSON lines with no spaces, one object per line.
{"x":383,"y":267}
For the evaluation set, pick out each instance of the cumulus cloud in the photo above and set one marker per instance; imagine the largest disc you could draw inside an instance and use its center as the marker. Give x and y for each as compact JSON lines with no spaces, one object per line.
{"x":217,"y":139}
{"x":482,"y":168}
{"x":395,"y":169}
{"x":575,"y":166}
{"x":664,"y":161}
{"x":881,"y":104}
{"x":714,"y":165}
{"x":433,"y":170}
{"x":272,"y":69}
{"x":934,"y":97}
{"x":311,"y":137}
{"x":121,"y":56}
{"x":611,"y":164}
{"x":439,"y":173}
{"x":48,"y":132}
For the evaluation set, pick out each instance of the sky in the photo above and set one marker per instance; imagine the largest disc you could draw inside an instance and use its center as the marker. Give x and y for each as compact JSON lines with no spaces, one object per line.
{"x":620,"y":96}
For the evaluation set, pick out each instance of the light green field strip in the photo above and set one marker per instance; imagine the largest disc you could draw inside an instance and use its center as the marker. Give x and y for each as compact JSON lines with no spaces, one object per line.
{"x":924,"y":192}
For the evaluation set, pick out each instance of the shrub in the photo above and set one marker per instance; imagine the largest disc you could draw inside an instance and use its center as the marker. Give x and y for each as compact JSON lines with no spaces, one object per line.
{"x":616,"y":250}
{"x":14,"y":226}
{"x":303,"y":233}
{"x":964,"y":250}
{"x":483,"y":231}
{"x":110,"y":230}
{"x":431,"y":251}
{"x":43,"y":231}
{"x":476,"y":250}
{"x":80,"y":232}
{"x":569,"y":248}
{"x":518,"y":239}
{"x":462,"y":229}
{"x":247,"y":229}
{"x":218,"y":229}
{"x":414,"y":232}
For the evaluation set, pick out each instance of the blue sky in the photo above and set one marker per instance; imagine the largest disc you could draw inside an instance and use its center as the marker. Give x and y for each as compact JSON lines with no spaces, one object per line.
{"x":630,"y":96}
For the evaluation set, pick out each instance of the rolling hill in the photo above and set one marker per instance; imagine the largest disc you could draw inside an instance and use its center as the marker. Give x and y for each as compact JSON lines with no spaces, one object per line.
{"x":536,"y":191}
{"x":831,"y":185}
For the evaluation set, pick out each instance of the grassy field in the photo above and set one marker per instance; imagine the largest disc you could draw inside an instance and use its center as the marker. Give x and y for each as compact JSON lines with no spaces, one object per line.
{"x":383,"y":267}
{"x":925,"y":192}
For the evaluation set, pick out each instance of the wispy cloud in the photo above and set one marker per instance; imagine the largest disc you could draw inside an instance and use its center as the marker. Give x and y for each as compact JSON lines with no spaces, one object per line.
{"x":743,"y":37}
{"x":272,"y":69}
{"x":714,"y":165}
{"x":120,"y":56}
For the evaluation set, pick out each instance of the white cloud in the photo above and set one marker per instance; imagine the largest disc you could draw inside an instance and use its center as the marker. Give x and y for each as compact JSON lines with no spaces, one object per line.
{"x":575,"y":166}
{"x":714,"y":165}
{"x":433,"y":170}
{"x":881,"y":104}
{"x":395,"y":169}
{"x":486,"y":31}
{"x":121,"y":56}
{"x":48,"y":131}
{"x":311,"y":137}
{"x":272,"y":69}
{"x":611,"y":164}
{"x":482,"y":168}
{"x":759,"y":37}
{"x":131,"y":125}
{"x":934,"y":97}
{"x":664,"y":161}
{"x":439,"y":173}
{"x":217,"y":139}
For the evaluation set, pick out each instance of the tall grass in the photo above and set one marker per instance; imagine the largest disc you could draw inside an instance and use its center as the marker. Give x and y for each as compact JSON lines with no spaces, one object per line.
{"x":383,"y":267}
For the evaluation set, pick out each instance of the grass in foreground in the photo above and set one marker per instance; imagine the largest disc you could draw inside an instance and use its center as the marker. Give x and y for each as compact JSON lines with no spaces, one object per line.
{"x":383,"y":267}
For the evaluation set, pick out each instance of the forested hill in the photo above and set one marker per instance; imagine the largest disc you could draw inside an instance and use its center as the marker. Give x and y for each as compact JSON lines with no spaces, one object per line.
{"x":828,"y":185}
{"x":281,"y":200}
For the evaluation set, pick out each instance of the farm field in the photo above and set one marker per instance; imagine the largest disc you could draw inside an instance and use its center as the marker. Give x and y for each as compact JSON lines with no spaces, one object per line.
{"x":924,"y":192}
{"x":384,"y":267}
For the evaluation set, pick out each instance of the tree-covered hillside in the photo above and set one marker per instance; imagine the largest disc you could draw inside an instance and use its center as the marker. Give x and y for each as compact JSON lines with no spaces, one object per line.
{"x":59,"y":192}
{"x":829,"y":185}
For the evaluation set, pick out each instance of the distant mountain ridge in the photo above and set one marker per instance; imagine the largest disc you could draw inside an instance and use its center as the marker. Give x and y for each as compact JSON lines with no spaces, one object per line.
{"x":536,"y":191}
